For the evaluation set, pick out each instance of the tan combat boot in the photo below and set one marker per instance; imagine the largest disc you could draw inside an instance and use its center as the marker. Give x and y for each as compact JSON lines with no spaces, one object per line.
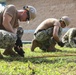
{"x":9,"y":51}
{"x":35,"y":44}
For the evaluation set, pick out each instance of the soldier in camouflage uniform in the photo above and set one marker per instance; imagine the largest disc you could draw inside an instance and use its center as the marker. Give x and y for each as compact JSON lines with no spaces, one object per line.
{"x":9,"y":22}
{"x":48,"y":34}
{"x":69,"y":38}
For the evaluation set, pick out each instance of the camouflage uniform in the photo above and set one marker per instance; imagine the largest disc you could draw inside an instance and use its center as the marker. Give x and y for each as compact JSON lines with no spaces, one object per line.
{"x":45,"y":37}
{"x":69,"y":38}
{"x":7,"y":39}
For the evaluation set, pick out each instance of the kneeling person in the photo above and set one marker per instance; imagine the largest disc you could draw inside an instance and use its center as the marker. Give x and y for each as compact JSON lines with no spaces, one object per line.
{"x":69,"y":38}
{"x":48,"y":34}
{"x":9,"y":22}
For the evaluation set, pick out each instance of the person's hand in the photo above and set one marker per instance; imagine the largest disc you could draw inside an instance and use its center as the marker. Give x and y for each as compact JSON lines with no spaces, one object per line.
{"x":61,"y":43}
{"x":19,"y":50}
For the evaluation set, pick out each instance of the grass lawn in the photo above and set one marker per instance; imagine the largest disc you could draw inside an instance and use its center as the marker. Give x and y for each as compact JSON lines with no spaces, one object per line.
{"x":40,"y":63}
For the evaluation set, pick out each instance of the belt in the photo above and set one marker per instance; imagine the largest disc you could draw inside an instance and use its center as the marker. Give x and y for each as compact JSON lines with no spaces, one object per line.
{"x":39,"y":31}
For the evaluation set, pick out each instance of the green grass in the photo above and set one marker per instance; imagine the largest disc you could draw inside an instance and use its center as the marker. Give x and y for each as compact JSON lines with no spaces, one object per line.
{"x":40,"y":63}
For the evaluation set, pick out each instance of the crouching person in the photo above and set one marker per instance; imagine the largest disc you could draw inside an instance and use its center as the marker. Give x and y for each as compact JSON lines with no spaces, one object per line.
{"x":9,"y":40}
{"x":69,"y":38}
{"x":9,"y":22}
{"x":48,"y":34}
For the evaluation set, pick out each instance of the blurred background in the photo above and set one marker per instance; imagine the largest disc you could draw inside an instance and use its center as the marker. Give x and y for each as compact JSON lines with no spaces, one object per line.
{"x":45,"y":9}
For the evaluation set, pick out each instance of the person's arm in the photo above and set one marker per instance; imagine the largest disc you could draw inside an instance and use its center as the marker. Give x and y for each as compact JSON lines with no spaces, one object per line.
{"x":55,"y":33}
{"x":56,"y":37}
{"x":6,"y":23}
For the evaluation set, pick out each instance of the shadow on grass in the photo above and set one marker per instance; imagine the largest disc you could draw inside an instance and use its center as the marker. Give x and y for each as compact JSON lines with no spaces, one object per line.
{"x":43,"y":59}
{"x":58,"y":50}
{"x":32,"y":60}
{"x":39,"y":60}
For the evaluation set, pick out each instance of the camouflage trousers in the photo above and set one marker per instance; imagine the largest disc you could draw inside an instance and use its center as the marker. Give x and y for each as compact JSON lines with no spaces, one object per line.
{"x":45,"y":34}
{"x":45,"y":37}
{"x":47,"y":43}
{"x":7,"y":39}
{"x":71,"y":44}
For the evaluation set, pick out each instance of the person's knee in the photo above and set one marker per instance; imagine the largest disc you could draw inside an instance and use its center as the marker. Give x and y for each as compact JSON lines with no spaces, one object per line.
{"x":7,"y":38}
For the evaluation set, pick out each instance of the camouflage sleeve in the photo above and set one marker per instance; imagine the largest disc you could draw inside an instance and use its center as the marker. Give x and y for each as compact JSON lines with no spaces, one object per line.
{"x":7,"y":39}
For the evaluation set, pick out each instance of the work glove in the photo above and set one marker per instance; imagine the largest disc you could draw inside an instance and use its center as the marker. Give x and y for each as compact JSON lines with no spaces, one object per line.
{"x":18,"y":47}
{"x":61,"y":44}
{"x":19,"y":50}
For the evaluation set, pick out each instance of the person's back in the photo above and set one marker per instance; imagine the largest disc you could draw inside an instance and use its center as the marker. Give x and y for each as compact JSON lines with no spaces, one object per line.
{"x":48,"y":23}
{"x":11,"y":11}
